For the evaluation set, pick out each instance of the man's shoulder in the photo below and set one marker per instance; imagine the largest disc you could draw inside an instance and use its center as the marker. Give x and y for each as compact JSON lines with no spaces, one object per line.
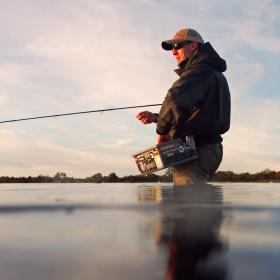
{"x":201,"y":67}
{"x":197,"y":73}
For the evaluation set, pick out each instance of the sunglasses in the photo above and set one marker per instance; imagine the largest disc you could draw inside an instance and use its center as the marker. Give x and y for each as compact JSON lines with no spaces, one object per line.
{"x":178,"y":46}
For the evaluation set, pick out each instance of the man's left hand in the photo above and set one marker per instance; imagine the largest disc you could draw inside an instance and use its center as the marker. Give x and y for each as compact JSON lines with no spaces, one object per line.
{"x":163,"y":138}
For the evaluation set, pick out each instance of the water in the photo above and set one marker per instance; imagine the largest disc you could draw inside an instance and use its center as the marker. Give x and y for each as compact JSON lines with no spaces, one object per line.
{"x":133,"y":231}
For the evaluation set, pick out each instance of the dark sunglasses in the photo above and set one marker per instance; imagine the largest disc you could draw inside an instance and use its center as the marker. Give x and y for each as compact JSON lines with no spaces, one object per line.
{"x":178,"y":46}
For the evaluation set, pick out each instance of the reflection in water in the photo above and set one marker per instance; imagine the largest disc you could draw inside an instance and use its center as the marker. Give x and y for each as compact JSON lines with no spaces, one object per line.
{"x":188,"y":230}
{"x":153,"y":194}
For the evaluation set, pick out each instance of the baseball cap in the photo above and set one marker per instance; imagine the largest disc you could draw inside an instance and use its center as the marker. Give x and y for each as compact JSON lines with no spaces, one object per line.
{"x":186,"y":34}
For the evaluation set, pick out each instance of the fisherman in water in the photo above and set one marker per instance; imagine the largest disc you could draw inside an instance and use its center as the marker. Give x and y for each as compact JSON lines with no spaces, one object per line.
{"x":197,"y":105}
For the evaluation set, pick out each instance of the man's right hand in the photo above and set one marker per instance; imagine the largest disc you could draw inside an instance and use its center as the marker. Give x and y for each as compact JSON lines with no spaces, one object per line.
{"x":146,"y":117}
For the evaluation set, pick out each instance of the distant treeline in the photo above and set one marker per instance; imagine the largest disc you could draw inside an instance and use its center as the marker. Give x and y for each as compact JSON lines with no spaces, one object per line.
{"x":266,"y":175}
{"x":221,"y":176}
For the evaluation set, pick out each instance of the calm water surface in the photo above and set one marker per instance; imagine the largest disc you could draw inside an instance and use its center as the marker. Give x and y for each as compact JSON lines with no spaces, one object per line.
{"x":133,"y":231}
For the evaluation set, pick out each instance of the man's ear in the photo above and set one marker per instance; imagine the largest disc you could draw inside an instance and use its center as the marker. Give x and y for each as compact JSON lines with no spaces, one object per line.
{"x":194,"y":46}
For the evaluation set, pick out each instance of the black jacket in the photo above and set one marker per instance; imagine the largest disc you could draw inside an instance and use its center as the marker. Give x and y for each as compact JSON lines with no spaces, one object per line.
{"x":198,"y":103}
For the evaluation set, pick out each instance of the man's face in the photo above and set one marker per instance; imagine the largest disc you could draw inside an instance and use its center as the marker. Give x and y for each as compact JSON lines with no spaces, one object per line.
{"x":184,"y":52}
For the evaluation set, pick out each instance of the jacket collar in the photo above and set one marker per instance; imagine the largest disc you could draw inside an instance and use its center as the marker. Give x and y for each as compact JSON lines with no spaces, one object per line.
{"x":206,"y":54}
{"x":183,"y":65}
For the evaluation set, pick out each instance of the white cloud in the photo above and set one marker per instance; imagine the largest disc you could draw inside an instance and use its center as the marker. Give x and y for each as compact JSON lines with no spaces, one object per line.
{"x":253,"y":142}
{"x":115,"y":143}
{"x":243,"y":74}
{"x":260,"y":22}
{"x":3,"y":99}
{"x":102,"y":58}
{"x":23,"y":157}
{"x":12,"y":73}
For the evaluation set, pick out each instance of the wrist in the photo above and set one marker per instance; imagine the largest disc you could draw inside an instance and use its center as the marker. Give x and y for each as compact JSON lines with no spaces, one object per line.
{"x":155,"y":117}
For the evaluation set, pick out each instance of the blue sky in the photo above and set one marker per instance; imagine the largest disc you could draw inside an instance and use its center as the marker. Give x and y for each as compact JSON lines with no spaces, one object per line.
{"x":76,"y":55}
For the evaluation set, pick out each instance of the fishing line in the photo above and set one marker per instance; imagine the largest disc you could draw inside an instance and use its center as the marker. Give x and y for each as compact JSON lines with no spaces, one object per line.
{"x":79,"y":113}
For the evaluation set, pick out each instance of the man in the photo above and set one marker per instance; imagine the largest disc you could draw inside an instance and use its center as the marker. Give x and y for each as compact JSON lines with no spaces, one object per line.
{"x":197,"y":104}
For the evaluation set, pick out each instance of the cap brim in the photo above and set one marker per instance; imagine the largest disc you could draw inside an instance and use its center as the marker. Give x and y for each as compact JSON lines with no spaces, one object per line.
{"x":168,"y":44}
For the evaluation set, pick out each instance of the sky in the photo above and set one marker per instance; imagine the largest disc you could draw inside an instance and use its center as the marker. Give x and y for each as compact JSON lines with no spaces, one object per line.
{"x":77,"y":55}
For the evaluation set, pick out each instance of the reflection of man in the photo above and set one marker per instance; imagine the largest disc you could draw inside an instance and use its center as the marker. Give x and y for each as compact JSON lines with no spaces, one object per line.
{"x":189,"y":229}
{"x":197,"y":104}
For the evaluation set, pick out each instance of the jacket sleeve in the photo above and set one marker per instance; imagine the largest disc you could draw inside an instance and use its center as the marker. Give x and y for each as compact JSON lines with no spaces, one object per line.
{"x":182,"y":98}
{"x":165,"y":117}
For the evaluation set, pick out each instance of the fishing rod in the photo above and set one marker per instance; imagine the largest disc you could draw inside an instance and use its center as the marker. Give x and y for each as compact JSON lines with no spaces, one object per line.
{"x":79,"y":113}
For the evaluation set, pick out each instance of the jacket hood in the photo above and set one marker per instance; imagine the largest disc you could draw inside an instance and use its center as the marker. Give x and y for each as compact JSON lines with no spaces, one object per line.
{"x":207,"y":54}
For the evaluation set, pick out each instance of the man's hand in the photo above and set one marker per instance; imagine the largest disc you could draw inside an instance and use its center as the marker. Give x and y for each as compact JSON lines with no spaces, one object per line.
{"x":146,"y":117}
{"x":163,"y":138}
